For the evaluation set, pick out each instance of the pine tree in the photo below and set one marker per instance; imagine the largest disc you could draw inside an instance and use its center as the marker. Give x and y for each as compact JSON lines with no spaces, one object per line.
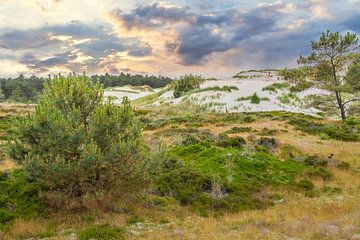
{"x":329,"y":60}
{"x":75,"y":142}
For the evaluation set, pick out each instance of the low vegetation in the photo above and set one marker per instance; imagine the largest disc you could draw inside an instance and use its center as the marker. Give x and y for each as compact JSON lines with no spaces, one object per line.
{"x":216,"y":88}
{"x":88,"y":169}
{"x":348,"y":131}
{"x":254,"y":99}
{"x":275,"y":87}
{"x":186,"y":84}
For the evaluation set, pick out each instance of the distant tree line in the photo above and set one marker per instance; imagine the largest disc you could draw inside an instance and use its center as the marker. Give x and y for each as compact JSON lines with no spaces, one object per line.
{"x":122,"y":79}
{"x":26,"y":89}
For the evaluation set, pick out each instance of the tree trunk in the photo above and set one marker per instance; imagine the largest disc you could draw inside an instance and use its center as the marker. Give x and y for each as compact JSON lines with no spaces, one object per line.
{"x":337,"y":93}
{"x":341,"y":106}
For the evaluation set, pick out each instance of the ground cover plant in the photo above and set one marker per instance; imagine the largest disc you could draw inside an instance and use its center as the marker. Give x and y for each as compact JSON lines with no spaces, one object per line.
{"x":345,"y":132}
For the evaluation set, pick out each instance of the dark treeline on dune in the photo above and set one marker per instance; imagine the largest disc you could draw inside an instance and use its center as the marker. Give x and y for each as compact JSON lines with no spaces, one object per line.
{"x":26,"y":89}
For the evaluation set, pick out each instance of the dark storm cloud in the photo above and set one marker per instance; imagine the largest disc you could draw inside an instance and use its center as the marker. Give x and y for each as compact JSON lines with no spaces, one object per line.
{"x":97,"y":43}
{"x":24,"y":39}
{"x":202,"y":34}
{"x":200,"y":40}
{"x":58,"y":59}
{"x":150,"y":16}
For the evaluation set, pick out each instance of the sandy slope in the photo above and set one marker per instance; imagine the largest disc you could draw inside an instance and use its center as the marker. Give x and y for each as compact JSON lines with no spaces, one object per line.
{"x":226,"y":101}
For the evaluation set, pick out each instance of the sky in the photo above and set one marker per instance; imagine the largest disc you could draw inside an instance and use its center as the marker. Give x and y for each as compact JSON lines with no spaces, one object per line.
{"x":214,"y":38}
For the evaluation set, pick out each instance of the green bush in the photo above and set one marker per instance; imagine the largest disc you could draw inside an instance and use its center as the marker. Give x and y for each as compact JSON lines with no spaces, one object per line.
{"x":249,"y":118}
{"x":101,"y":232}
{"x":19,"y":197}
{"x":223,"y":178}
{"x":186,"y":84}
{"x":75,"y":142}
{"x":276,"y":86}
{"x":344,"y":132}
{"x":255,"y":99}
{"x":305,"y":185}
{"x":238,"y":130}
{"x":185,"y":184}
{"x":231,"y":142}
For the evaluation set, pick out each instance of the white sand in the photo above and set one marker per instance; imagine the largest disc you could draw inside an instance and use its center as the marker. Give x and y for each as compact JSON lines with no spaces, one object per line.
{"x":226,"y":101}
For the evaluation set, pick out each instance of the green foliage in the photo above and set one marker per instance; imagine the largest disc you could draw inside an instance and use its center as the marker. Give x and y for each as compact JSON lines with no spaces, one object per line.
{"x":305,"y":185}
{"x":75,"y":142}
{"x":223,"y":178}
{"x":234,"y":142}
{"x":216,"y":88}
{"x":297,"y":77}
{"x":186,"y":84}
{"x":328,"y":60}
{"x":342,"y":132}
{"x":255,"y":99}
{"x":22,"y":89}
{"x":353,"y":75}
{"x":238,"y":130}
{"x":101,"y":232}
{"x":108,"y":80}
{"x":19,"y":197}
{"x":289,"y":98}
{"x":276,"y":86}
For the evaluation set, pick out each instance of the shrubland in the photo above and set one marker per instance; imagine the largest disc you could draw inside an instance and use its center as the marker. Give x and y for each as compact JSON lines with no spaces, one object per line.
{"x":186,"y":84}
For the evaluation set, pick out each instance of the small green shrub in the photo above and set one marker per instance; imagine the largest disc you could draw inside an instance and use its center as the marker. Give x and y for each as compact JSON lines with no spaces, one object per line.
{"x":19,"y":197}
{"x":101,"y":232}
{"x":255,"y":99}
{"x":232,"y":142}
{"x":186,"y":84}
{"x":289,"y":98}
{"x":342,"y":132}
{"x":185,"y":184}
{"x":249,"y":118}
{"x":276,"y":86}
{"x":238,"y":130}
{"x":305,"y":185}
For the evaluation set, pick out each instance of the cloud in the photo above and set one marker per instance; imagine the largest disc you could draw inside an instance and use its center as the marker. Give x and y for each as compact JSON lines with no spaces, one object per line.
{"x":168,"y":37}
{"x":195,"y":36}
{"x":150,"y":16}
{"x":70,"y":47}
{"x":320,"y":9}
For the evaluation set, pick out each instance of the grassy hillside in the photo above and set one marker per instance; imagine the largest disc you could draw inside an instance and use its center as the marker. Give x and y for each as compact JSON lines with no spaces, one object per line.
{"x":277,"y":175}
